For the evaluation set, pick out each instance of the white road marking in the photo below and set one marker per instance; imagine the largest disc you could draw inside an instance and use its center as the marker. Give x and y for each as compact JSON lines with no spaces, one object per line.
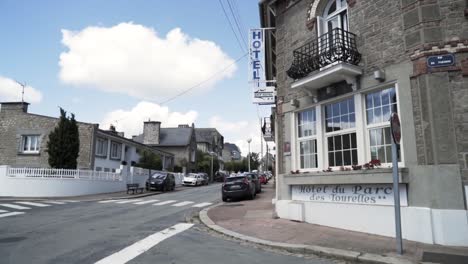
{"x":71,"y":201}
{"x":14,"y":206}
{"x":201,"y":205}
{"x":132,"y":251}
{"x":147,"y":201}
{"x":108,"y":201}
{"x":11,"y":214}
{"x":129,"y":201}
{"x":54,"y":202}
{"x":34,"y":204}
{"x":182,"y":203}
{"x":166,"y":202}
{"x":3,"y":211}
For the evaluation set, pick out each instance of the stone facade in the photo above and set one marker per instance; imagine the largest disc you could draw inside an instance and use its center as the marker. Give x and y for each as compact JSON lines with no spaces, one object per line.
{"x":15,"y":122}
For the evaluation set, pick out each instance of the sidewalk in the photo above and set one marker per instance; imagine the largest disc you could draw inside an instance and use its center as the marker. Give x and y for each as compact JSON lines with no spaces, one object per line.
{"x":253,"y":220}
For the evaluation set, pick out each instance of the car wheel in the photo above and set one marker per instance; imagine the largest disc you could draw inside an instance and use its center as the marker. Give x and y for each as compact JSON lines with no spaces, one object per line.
{"x":173,"y":187}
{"x":224,"y":199}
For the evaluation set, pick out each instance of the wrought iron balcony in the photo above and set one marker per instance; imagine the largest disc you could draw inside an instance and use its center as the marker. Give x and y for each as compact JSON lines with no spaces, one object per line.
{"x":337,"y":45}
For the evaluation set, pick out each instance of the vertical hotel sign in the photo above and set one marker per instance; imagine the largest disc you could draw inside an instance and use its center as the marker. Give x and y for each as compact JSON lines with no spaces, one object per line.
{"x":262,"y":93}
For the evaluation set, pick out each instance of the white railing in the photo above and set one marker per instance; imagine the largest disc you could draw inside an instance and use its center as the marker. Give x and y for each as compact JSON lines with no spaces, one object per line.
{"x":46,"y":173}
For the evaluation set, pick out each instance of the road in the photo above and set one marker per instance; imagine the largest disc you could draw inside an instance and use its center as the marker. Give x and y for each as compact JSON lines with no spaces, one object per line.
{"x":152,"y":229}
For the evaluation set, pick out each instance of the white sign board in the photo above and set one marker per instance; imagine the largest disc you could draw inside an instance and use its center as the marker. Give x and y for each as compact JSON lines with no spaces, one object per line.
{"x":370,"y":194}
{"x":262,"y":92}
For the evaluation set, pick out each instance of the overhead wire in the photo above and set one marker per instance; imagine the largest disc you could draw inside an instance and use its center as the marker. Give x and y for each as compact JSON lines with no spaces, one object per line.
{"x":232,"y":27}
{"x":237,"y":22}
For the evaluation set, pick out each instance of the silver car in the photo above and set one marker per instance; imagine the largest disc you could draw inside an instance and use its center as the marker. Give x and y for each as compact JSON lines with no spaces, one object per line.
{"x":193,"y":179}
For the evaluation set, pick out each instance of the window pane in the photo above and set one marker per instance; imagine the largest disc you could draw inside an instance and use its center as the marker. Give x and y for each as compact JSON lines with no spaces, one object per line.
{"x":370,"y":117}
{"x":373,"y":153}
{"x":376,"y":97}
{"x":25,"y":143}
{"x":388,"y":139}
{"x":347,"y":157}
{"x":337,"y":142}
{"x":302,"y":162}
{"x":33,"y":143}
{"x":378,"y":136}
{"x":386,"y":113}
{"x":381,"y":153}
{"x":344,"y":122}
{"x":369,"y":101}
{"x":330,"y":144}
{"x":377,"y":115}
{"x":336,"y":109}
{"x":352,"y":121}
{"x":331,"y":159}
{"x":372,"y":137}
{"x":344,"y":107}
{"x":328,"y":111}
{"x":388,"y":151}
{"x":353,"y":140}
{"x":328,"y":125}
{"x":346,"y":141}
{"x":386,"y":97}
{"x":338,"y":158}
{"x":336,"y":124}
{"x":354,"y":153}
{"x":351,"y":105}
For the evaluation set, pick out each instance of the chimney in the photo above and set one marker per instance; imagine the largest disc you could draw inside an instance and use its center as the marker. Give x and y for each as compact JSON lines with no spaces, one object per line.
{"x":14,"y":106}
{"x":121,"y":134}
{"x":151,"y":131}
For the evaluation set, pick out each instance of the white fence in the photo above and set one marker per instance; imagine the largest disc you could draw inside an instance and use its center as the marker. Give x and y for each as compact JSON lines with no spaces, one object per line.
{"x":43,"y":182}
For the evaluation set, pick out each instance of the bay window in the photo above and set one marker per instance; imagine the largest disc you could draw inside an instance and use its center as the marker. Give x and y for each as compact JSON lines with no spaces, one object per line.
{"x":307,"y":137}
{"x":340,"y":132}
{"x":379,"y":106}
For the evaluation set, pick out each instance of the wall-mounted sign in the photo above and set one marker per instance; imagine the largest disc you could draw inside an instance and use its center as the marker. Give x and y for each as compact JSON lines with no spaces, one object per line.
{"x":395,"y":128}
{"x":263,"y":92}
{"x":370,"y":194}
{"x":441,"y":60}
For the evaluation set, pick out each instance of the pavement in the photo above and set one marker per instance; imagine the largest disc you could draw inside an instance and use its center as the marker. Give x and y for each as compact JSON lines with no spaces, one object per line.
{"x":254,"y":221}
{"x":142,"y":230}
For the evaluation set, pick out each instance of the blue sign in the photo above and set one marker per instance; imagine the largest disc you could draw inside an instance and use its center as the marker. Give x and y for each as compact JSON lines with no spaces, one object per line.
{"x":441,"y":60}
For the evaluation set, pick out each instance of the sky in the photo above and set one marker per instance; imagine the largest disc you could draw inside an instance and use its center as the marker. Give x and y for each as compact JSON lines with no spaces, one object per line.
{"x":125,"y":62}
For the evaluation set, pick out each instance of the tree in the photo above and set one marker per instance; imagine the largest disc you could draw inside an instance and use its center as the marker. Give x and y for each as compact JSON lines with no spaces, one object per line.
{"x":63,"y":146}
{"x":149,"y":160}
{"x":254,"y":161}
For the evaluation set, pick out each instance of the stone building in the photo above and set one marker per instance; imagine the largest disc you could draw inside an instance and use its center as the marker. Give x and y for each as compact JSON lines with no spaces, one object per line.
{"x":180,"y":141}
{"x":24,"y":136}
{"x":341,"y":68}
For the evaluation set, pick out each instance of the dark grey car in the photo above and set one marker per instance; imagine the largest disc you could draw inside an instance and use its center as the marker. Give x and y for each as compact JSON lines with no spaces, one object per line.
{"x":256,"y":181}
{"x":238,"y":187}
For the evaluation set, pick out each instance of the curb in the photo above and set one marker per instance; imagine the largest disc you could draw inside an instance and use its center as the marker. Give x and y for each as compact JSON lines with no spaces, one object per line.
{"x":301,"y":248}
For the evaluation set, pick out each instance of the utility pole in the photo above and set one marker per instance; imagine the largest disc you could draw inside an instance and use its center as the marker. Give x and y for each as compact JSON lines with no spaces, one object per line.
{"x":261,"y":143}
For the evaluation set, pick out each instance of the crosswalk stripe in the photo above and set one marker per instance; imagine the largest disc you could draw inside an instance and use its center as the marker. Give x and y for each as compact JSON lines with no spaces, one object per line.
{"x":108,"y":201}
{"x":166,"y":202}
{"x":71,"y":201}
{"x":34,"y":204}
{"x":3,"y":211}
{"x":147,"y":201}
{"x":129,"y":201}
{"x":14,"y":206}
{"x":182,"y":203}
{"x":54,"y":202}
{"x":201,"y":205}
{"x":11,"y":214}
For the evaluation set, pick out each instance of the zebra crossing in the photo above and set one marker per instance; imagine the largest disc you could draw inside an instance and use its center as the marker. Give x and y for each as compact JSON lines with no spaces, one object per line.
{"x":154,"y":202}
{"x":13,"y":208}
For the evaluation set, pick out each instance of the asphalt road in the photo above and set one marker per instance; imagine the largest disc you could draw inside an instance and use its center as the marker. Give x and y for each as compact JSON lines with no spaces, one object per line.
{"x":141,"y":231}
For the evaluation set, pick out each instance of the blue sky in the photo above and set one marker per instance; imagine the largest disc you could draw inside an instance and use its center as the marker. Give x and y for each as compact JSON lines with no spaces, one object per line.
{"x":32,"y":44}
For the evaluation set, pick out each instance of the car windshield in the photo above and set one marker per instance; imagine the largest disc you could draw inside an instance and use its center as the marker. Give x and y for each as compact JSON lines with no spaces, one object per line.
{"x":191,"y":175}
{"x":235,"y":179}
{"x":158,"y":176}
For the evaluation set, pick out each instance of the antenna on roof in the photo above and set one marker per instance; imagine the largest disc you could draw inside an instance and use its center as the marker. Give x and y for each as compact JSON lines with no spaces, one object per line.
{"x":22,"y":92}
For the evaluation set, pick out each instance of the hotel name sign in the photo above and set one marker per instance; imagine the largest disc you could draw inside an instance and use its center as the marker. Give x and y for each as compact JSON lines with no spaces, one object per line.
{"x":370,"y":194}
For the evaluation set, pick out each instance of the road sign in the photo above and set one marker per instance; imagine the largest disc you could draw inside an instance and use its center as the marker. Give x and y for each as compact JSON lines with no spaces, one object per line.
{"x":395,"y":128}
{"x":441,"y":60}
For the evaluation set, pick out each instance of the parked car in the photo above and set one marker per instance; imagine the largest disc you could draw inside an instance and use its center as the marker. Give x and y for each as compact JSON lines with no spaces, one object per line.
{"x":162,"y":181}
{"x":205,"y":177}
{"x":263,"y":178}
{"x":193,"y":179}
{"x":256,"y":181}
{"x":220,"y":176}
{"x":238,"y":187}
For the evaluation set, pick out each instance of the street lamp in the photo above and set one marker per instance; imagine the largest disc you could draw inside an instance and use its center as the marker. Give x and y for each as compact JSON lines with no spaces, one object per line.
{"x":248,"y":155}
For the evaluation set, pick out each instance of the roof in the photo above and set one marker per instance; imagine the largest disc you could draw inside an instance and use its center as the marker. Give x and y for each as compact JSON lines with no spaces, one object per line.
{"x":175,"y":136}
{"x":205,"y":134}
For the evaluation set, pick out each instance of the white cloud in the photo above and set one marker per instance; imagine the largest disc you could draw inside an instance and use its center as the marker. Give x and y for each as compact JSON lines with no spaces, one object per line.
{"x":132,"y":59}
{"x":238,"y":132}
{"x":11,"y":91}
{"x":131,"y":121}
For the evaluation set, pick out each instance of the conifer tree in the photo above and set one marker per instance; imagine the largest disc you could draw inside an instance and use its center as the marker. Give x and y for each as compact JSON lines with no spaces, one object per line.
{"x":64,"y":143}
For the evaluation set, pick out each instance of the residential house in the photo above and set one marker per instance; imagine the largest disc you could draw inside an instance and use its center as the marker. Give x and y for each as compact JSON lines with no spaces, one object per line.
{"x":231,"y":152}
{"x":180,"y":141}
{"x":341,"y":68}
{"x":24,"y":137}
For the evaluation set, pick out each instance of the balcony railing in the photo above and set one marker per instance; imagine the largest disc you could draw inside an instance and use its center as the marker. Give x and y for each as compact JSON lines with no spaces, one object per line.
{"x":337,"y":45}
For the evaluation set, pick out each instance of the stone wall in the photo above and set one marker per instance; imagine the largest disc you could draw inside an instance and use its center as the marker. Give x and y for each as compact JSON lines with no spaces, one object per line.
{"x":14,"y":123}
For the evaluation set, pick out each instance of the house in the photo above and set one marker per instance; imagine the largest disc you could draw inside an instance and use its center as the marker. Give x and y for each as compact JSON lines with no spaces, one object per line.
{"x":209,"y":140}
{"x":341,"y":69}
{"x":180,"y":141}
{"x":231,"y":152}
{"x":24,"y":136}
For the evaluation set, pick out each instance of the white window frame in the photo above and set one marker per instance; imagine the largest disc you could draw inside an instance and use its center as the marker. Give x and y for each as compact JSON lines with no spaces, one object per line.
{"x":104,"y":147}
{"x":119,"y":150}
{"x":30,"y":149}
{"x":383,"y":124}
{"x":298,"y":140}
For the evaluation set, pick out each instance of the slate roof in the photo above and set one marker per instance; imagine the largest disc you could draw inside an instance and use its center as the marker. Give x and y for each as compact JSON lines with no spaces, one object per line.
{"x":175,"y":136}
{"x":205,"y":134}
